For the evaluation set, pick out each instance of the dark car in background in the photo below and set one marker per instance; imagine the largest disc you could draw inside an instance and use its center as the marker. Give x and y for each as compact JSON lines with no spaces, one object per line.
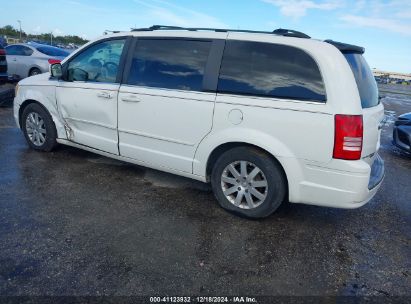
{"x":3,"y":41}
{"x":3,"y":64}
{"x":402,"y":132}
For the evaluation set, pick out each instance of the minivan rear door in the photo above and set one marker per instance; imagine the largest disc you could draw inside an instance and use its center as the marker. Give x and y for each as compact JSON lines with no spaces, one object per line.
{"x":373,"y":110}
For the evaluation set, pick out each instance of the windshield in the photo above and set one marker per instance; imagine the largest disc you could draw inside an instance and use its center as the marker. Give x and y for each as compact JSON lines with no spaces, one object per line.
{"x":364,"y":78}
{"x":52,"y":51}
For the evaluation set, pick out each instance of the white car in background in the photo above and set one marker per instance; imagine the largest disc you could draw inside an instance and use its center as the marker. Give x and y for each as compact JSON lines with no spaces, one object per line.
{"x":26,"y":59}
{"x":266,"y":117}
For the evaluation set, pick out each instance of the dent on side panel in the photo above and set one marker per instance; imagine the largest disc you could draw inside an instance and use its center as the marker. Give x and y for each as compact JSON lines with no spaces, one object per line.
{"x":64,"y":112}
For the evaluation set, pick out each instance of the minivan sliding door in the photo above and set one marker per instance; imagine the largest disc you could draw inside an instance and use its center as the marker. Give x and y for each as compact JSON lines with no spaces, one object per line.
{"x":166,"y":100}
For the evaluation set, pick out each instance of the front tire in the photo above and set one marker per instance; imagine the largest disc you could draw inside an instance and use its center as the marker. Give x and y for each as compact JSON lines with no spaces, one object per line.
{"x":38,"y":128}
{"x":248,"y":182}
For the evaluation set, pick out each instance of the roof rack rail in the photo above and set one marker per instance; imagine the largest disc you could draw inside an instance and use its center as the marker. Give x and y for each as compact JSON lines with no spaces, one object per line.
{"x":282,"y":32}
{"x":168,"y":27}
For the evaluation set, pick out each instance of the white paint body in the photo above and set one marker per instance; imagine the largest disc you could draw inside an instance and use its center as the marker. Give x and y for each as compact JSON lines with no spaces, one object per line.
{"x":176,"y":131}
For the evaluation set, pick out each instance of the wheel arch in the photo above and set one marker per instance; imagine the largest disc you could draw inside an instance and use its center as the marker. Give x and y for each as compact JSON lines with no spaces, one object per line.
{"x":219,"y":150}
{"x":46,"y":139}
{"x":32,"y":68}
{"x":232,"y":137}
{"x":25,"y":104}
{"x":59,"y":127}
{"x":216,"y":143}
{"x":45,"y":96}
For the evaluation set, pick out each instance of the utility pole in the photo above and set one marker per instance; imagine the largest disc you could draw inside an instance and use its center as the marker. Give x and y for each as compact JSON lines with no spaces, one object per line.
{"x":20,"y":28}
{"x":51,"y":38}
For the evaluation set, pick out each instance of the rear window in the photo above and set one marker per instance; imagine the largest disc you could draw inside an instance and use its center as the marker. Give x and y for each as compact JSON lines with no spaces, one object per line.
{"x":52,"y":51}
{"x":367,"y":86}
{"x":272,"y":70}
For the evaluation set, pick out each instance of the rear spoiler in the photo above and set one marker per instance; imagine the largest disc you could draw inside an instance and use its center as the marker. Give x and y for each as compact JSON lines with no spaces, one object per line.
{"x":346,"y":48}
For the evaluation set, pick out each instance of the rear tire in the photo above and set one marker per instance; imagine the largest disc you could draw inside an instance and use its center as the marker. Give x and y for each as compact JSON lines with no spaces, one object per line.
{"x":248,"y":182}
{"x":34,"y":71}
{"x":38,"y":128}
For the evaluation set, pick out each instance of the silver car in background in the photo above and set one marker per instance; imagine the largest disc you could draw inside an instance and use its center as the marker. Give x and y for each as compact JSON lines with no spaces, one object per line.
{"x":28,"y":59}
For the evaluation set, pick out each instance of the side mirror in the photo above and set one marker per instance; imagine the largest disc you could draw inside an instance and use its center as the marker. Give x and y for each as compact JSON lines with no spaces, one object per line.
{"x":55,"y":70}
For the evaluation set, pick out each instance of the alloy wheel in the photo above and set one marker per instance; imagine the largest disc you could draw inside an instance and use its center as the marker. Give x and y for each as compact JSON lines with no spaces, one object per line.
{"x":36,"y":129}
{"x":244,"y":184}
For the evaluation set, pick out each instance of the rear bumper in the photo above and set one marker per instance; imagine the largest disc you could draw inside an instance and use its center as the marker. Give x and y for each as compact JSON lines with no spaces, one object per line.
{"x":342,"y":184}
{"x":377,"y":173}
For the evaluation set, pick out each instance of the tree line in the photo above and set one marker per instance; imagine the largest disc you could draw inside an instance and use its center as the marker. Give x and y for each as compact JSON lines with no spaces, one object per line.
{"x":11,"y":32}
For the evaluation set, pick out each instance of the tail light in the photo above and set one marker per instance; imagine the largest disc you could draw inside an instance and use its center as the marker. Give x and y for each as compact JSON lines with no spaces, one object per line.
{"x":53,"y":61}
{"x":348,"y":137}
{"x":2,"y":52}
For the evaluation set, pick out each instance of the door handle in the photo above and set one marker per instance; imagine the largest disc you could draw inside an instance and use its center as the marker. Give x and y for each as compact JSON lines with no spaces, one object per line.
{"x":106,"y":95}
{"x":130,"y":98}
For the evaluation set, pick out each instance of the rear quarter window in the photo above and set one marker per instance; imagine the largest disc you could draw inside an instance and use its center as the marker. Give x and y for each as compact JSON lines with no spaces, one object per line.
{"x":272,"y":70}
{"x":367,"y":86}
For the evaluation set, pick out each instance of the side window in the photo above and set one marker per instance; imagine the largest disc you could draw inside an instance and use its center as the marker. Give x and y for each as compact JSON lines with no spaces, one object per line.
{"x":25,"y":51}
{"x":171,"y":64}
{"x":98,"y":63}
{"x":266,"y":69}
{"x":19,"y":50}
{"x":10,"y":50}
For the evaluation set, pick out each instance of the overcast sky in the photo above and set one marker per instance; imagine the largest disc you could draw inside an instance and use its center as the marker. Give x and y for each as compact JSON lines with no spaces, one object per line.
{"x":382,"y":27}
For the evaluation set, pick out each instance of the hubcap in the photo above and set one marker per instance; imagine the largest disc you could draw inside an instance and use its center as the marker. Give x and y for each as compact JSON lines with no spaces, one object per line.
{"x":244,"y":184}
{"x":36,"y":130}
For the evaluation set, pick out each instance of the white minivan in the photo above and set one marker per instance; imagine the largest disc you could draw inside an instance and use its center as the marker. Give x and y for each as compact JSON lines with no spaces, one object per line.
{"x":266,"y":117}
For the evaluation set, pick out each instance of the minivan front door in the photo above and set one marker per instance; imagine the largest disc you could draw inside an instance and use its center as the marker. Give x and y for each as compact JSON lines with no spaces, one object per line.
{"x":164,"y":109}
{"x":87,"y":96}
